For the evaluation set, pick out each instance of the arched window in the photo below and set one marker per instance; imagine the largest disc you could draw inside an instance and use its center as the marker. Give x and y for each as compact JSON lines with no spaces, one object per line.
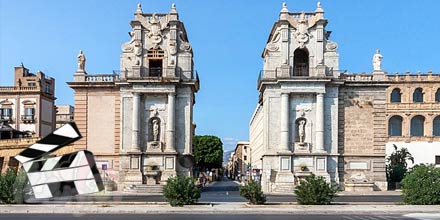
{"x":301,"y":62}
{"x":417,"y":125}
{"x":437,"y":96}
{"x":436,"y":126}
{"x":395,"y":95}
{"x":418,"y":95}
{"x":395,"y":126}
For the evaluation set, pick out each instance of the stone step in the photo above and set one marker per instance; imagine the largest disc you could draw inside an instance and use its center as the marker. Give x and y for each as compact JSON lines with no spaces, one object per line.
{"x":285,"y":188}
{"x":143,"y":188}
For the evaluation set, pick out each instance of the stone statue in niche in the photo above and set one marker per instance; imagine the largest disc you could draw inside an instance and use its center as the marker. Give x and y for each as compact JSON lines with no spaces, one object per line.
{"x":301,"y":130}
{"x":81,"y":61}
{"x":156,"y":129}
{"x":377,"y":61}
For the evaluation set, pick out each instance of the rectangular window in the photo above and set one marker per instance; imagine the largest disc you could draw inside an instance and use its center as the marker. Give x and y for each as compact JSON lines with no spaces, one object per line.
{"x":31,"y":84}
{"x":437,"y":160}
{"x":48,"y":89}
{"x":244,"y":157}
{"x":6,"y":113}
{"x":155,"y":68}
{"x":29,"y":111}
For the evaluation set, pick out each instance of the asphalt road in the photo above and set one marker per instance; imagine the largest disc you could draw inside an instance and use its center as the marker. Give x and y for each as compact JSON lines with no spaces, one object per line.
{"x":196,"y":217}
{"x":222,"y":191}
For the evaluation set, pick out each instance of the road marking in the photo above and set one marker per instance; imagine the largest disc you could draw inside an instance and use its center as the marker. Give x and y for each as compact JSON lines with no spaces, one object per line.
{"x":424,"y":216}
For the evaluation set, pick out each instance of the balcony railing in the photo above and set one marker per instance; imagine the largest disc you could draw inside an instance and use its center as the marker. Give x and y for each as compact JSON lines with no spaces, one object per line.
{"x":28,"y":118}
{"x":6,"y":118}
{"x":102,"y":77}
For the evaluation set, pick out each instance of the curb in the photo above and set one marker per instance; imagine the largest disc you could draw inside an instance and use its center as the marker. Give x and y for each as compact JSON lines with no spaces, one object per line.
{"x":222,"y":208}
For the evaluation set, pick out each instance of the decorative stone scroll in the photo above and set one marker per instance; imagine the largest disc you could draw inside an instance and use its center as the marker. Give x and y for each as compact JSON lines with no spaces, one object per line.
{"x":273,"y":44}
{"x":331,"y":46}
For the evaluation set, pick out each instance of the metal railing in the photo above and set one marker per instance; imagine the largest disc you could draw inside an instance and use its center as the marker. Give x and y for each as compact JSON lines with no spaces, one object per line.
{"x":28,"y":117}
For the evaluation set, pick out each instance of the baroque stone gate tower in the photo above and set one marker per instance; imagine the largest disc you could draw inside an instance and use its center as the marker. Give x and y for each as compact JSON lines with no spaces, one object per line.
{"x":139,"y":120}
{"x":308,"y":119}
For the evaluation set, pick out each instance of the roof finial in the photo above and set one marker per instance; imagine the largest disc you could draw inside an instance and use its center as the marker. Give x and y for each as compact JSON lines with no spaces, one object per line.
{"x":284,"y":7}
{"x":173,"y":8}
{"x":139,"y":9}
{"x":318,"y":7}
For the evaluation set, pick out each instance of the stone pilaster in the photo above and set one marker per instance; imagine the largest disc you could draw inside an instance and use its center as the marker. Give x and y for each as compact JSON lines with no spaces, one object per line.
{"x":170,"y":129}
{"x":319,"y":145}
{"x":284,"y":123}
{"x":135,"y":119}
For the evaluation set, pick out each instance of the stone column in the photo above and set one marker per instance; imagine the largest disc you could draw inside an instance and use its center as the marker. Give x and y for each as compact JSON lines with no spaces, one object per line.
{"x":169,"y":146}
{"x":319,"y":145}
{"x":135,"y":125}
{"x":284,"y":126}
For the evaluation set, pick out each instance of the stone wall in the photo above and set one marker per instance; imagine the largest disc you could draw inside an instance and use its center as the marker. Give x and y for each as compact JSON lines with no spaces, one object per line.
{"x":362,"y":132}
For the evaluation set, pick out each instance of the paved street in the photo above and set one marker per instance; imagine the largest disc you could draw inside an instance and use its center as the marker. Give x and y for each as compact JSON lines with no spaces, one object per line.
{"x":198,"y":217}
{"x":220,"y":191}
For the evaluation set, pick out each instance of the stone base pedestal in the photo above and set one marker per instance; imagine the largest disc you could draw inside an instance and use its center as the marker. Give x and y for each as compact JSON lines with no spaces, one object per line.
{"x":302,"y":147}
{"x":359,"y":187}
{"x":284,"y":182}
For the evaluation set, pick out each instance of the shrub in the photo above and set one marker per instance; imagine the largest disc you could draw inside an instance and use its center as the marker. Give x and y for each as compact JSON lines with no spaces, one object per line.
{"x":181,"y":190}
{"x":12,"y":184}
{"x":253,"y":193}
{"x":315,"y":191}
{"x":421,"y":186}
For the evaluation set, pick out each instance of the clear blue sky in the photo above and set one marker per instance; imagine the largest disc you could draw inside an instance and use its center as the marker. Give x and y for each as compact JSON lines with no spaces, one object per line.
{"x":227,"y":37}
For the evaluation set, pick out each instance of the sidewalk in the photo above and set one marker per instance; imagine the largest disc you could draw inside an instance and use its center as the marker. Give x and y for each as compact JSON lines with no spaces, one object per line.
{"x":221,"y":208}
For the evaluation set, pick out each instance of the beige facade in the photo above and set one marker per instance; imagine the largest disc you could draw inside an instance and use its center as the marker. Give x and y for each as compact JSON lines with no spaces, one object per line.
{"x":413,"y":115}
{"x":64,"y":115}
{"x":240,"y":165}
{"x":139,"y":120}
{"x":29,"y":106}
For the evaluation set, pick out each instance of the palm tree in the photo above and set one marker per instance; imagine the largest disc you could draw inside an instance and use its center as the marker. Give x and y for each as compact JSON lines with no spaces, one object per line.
{"x":397,"y":164}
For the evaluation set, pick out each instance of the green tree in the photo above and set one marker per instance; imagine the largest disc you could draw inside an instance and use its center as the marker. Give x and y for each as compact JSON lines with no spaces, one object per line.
{"x":208,"y":152}
{"x":421,"y":186}
{"x":397,"y":165}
